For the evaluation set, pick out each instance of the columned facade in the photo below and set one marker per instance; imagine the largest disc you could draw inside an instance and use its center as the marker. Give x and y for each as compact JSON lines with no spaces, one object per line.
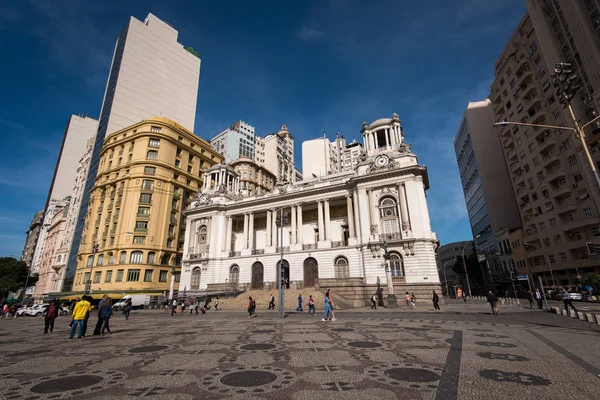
{"x":331,"y":231}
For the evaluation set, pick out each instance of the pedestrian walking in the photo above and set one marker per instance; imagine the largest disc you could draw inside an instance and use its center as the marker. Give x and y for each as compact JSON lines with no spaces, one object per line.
{"x":408,"y":299}
{"x":87,"y":316}
{"x":311,"y":306}
{"x":191,"y":306}
{"x":332,"y":305}
{"x":51,"y":315}
{"x":217,"y":304}
{"x":299,"y":308}
{"x":272,"y":303}
{"x":539,"y":298}
{"x":567,"y":301}
{"x":251,"y":307}
{"x":374,"y":301}
{"x":80,"y":311}
{"x":106,"y":312}
{"x":127,"y":309}
{"x":197,"y":305}
{"x":436,"y":301}
{"x":5,"y":310}
{"x":174,"y":307}
{"x":180,"y":308}
{"x":530,"y":298}
{"x":100,"y":321}
{"x":328,"y":308}
{"x":413,"y":300}
{"x":493,"y":300}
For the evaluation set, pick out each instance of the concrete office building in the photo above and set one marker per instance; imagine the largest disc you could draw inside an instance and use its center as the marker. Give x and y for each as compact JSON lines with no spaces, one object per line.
{"x":151,"y":74}
{"x":322,"y":157}
{"x":235,"y":142}
{"x":335,"y":234}
{"x":280,"y":144}
{"x":147,"y":175}
{"x":491,"y":204}
{"x":550,"y":175}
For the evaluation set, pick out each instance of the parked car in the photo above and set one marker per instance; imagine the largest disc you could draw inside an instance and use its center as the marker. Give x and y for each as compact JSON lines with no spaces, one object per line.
{"x":138,"y":301}
{"x":37,"y":310}
{"x":21,"y":311}
{"x":575,"y":296}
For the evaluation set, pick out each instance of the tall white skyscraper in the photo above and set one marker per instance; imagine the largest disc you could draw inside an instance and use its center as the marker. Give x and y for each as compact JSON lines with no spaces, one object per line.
{"x":152,"y":74}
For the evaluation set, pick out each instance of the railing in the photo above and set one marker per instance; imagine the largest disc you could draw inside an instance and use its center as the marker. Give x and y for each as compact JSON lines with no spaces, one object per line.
{"x":235,"y":253}
{"x":285,"y":248}
{"x":258,"y":251}
{"x":336,"y":244}
{"x":398,"y":279}
{"x":309,"y":246}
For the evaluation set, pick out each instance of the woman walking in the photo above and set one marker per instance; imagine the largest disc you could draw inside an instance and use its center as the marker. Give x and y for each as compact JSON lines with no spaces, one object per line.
{"x":328,"y":309}
{"x":127,"y":309}
{"x":413,"y":300}
{"x":180,"y":308}
{"x":251,"y":307}
{"x":436,"y":301}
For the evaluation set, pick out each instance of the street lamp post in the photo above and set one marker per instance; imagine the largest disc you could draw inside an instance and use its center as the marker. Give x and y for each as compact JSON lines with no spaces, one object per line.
{"x":88,"y":284}
{"x":392,"y":301}
{"x":446,"y":279}
{"x":281,"y":219}
{"x":465,"y":266}
{"x":546,"y":257}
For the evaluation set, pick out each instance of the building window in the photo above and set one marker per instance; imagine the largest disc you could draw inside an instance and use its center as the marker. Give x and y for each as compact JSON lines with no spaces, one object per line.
{"x":108,"y":277}
{"x":111,"y":259}
{"x":143,"y":211}
{"x":133,"y":275}
{"x":542,"y":226}
{"x":100,"y":260}
{"x":388,"y":212}
{"x":202,"y":234}
{"x":147,"y":184}
{"x":566,"y":143}
{"x":169,"y":242}
{"x":177,"y":276}
{"x":97,"y":276}
{"x":154,"y":143}
{"x":546,"y":242}
{"x":123,"y":257}
{"x":341,"y":268}
{"x":195,"y":283}
{"x":120,"y":275}
{"x":146,"y":198}
{"x":162,"y":276}
{"x":150,"y":170}
{"x":396,"y":264}
{"x":90,"y":261}
{"x":553,"y":222}
{"x":148,"y":275}
{"x":234,"y":274}
{"x":572,"y":159}
{"x":151,"y":257}
{"x":156,"y":129}
{"x":141,"y":226}
{"x":563,"y":256}
{"x":136,"y":257}
{"x":139,"y":239}
{"x":556,"y":113}
{"x":86,"y":277}
{"x":588,"y":212}
{"x":551,"y":259}
{"x":153,"y":154}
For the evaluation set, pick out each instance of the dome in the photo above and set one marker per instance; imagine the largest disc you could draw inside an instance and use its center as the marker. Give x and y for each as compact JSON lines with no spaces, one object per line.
{"x":379,"y":122}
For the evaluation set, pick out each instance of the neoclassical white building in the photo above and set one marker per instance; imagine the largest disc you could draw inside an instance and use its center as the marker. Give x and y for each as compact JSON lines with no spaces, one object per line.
{"x":335,"y":228}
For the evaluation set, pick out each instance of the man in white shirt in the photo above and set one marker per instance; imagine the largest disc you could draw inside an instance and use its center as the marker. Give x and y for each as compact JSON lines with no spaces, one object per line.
{"x":539,"y":298}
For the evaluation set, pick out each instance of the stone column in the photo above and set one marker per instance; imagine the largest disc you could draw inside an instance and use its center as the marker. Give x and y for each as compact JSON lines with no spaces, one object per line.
{"x":356,"y":215}
{"x":350,"y":216}
{"x":274,"y":229}
{"x":229,"y":233}
{"x":321,"y":227}
{"x":371,"y":141}
{"x":245,"y":240}
{"x":376,"y":140}
{"x":388,"y":142}
{"x":251,"y":232}
{"x":299,"y":236}
{"x":268,"y":235}
{"x":293,"y":212}
{"x":403,"y":208}
{"x":327,"y":221}
{"x":373,"y":210}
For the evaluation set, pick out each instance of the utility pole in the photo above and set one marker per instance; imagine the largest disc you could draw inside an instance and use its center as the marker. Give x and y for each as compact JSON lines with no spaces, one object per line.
{"x":88,"y":284}
{"x":280,"y":220}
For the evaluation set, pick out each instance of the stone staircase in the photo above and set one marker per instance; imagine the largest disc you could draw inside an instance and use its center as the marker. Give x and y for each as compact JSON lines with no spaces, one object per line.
{"x":262,"y":297}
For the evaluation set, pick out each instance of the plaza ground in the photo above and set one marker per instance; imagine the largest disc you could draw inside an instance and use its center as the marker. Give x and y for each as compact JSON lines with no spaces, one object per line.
{"x":460,"y":353}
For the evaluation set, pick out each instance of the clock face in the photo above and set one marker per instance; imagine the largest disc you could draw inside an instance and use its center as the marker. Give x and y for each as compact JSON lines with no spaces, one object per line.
{"x":382,"y":161}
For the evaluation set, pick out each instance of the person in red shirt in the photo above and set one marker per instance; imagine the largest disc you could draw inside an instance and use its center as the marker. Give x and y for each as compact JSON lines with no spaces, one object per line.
{"x":251,"y":307}
{"x":51,"y":315}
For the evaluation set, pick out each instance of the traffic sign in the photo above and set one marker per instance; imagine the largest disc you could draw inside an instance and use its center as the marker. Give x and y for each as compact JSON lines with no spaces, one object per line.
{"x":522,"y":278}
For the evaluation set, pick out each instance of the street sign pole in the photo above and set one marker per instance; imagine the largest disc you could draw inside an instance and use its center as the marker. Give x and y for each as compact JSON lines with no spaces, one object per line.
{"x":543,"y":291}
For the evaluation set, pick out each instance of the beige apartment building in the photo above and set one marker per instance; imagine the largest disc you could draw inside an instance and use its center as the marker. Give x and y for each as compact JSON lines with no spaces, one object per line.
{"x":550,"y":175}
{"x":277,"y":151}
{"x":254,"y":178}
{"x":147,"y":175}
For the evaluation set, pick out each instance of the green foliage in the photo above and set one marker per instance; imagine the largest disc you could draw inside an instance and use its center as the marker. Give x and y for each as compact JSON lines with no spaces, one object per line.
{"x":13,"y":274}
{"x":592,"y":279}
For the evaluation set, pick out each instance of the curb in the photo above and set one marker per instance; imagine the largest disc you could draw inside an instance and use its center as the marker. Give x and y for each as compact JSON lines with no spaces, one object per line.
{"x":587,"y":317}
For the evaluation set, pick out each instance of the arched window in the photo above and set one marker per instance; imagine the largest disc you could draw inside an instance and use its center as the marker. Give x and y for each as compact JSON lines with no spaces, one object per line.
{"x":151,"y":257}
{"x":123,"y":257}
{"x":152,"y":154}
{"x":234,"y":274}
{"x":195,"y":279}
{"x":341,"y":268}
{"x":136,"y":257}
{"x":396,"y":264}
{"x":58,"y":258}
{"x":90,"y":261}
{"x":165,"y":259}
{"x":202,"y":234}
{"x":388,"y":214}
{"x":100,"y":260}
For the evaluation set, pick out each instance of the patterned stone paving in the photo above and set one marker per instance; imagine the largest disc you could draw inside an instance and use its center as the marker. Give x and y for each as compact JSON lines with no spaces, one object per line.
{"x":228,"y":356}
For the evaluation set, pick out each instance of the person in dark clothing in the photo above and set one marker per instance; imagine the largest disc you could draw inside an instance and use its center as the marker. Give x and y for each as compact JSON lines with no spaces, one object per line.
{"x":272,"y":303}
{"x":493,"y":300}
{"x":51,"y":315}
{"x":100,"y":320}
{"x":251,"y":307}
{"x":436,"y":301}
{"x":127,"y":309}
{"x":374,"y":301}
{"x":87,"y":315}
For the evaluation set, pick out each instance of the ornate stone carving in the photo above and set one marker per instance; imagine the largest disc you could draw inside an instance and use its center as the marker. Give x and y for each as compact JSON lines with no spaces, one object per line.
{"x":222,"y":189}
{"x":365,"y":125}
{"x":404,"y":148}
{"x":373,"y":229}
{"x":395,"y":117}
{"x":405,"y":226}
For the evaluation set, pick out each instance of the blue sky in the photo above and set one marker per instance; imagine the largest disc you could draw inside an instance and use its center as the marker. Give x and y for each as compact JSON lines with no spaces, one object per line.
{"x":317,"y":66}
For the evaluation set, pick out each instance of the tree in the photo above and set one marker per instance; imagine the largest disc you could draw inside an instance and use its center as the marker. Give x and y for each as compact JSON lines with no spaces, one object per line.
{"x":591,"y":279}
{"x":13,"y":274}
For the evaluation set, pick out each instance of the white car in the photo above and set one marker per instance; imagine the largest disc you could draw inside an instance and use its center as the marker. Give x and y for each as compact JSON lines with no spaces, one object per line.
{"x":575,"y":296}
{"x":36,"y":310}
{"x":21,"y":311}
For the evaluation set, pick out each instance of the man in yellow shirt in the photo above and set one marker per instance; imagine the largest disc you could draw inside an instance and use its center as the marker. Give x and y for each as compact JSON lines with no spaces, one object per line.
{"x":80,"y":312}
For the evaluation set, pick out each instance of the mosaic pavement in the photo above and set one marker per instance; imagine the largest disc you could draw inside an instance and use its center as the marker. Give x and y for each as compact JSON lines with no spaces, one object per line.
{"x":370,"y":356}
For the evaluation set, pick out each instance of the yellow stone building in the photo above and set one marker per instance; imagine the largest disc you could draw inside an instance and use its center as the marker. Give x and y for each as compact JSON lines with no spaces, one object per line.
{"x":147,"y":175}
